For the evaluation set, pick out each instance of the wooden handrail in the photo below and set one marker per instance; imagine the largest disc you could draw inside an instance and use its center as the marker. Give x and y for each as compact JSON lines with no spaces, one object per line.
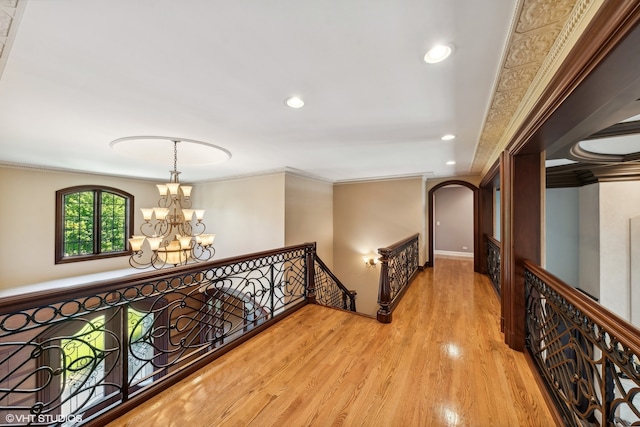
{"x":395,"y":280}
{"x":624,"y":331}
{"x":493,"y":240}
{"x":399,"y":244}
{"x":25,"y":301}
{"x":351,"y":295}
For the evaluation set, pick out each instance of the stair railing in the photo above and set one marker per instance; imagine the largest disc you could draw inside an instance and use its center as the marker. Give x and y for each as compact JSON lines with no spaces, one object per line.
{"x":399,"y":264}
{"x":493,"y":261}
{"x":329,"y":290}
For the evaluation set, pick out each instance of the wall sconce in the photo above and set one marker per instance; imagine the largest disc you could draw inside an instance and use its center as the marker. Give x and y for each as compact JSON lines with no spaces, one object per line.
{"x":370,"y":261}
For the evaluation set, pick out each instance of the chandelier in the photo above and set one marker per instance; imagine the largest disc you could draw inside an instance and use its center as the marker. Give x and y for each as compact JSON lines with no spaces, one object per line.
{"x":173,"y":236}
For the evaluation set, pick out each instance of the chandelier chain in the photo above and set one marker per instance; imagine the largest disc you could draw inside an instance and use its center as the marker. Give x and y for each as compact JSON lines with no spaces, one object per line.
{"x":175,"y":156}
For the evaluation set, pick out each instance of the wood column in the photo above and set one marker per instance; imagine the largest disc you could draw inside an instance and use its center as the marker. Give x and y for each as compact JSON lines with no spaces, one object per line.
{"x":486,"y":224}
{"x":522,"y":195}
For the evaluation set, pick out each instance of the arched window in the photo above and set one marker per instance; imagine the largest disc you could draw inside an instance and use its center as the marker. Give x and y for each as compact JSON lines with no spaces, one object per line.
{"x":92,"y":222}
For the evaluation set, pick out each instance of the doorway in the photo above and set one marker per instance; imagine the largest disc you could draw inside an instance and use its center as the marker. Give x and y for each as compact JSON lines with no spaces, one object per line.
{"x":432,"y":219}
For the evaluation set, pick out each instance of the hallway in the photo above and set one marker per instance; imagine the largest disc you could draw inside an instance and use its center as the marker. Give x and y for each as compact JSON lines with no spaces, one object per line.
{"x":441,"y":362}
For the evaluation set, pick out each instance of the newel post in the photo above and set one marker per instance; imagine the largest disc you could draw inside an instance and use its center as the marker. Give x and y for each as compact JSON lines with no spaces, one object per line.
{"x":311,"y":269}
{"x":384,"y":292}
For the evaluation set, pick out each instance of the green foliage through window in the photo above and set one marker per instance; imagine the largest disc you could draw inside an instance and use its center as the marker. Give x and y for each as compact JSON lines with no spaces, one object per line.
{"x":92,"y":221}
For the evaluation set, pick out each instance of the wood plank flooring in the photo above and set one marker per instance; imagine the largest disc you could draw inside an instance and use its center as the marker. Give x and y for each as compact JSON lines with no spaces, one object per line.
{"x":441,"y":362}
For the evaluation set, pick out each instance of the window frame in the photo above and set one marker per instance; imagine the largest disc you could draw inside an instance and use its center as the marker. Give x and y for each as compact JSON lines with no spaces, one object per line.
{"x":97,"y":190}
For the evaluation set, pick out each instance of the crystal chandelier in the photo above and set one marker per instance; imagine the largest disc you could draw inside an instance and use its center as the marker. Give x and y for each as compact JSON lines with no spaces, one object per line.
{"x":173,"y":238}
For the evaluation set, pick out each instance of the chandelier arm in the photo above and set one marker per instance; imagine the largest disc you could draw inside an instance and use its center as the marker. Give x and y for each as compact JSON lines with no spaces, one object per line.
{"x":157,"y":261}
{"x":201,"y":253}
{"x":164,"y":202}
{"x":198,"y":228}
{"x":162,"y":228}
{"x":183,"y":203}
{"x":150,"y":227}
{"x":183,"y":229}
{"x":133,"y":260}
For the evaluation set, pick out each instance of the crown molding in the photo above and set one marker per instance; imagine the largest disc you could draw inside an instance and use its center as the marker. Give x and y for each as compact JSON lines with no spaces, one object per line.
{"x":542,"y":38}
{"x":424,"y":176}
{"x":51,"y":169}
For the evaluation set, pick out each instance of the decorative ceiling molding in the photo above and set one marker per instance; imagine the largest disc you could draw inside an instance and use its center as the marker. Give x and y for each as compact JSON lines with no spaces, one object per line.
{"x":577,"y":175}
{"x":10,"y":14}
{"x":596,"y":167}
{"x":543,"y":35}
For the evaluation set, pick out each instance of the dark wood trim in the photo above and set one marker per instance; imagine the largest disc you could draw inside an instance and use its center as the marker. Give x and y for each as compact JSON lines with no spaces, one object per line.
{"x":493,"y":240}
{"x":487,"y":207}
{"x":490,"y":183}
{"x":59,"y":223}
{"x":506,"y":224}
{"x":492,"y":177}
{"x":592,"y":89}
{"x":580,"y":174}
{"x":526,"y":240}
{"x":619,"y":129}
{"x":477,"y":236}
{"x":522,"y":238}
{"x":400,"y":243}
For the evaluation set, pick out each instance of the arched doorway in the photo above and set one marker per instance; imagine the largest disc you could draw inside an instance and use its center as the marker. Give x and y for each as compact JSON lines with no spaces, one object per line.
{"x":476,"y":213}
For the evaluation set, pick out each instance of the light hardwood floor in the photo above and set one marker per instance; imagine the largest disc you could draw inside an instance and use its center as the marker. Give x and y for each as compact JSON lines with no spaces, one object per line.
{"x":441,"y":362}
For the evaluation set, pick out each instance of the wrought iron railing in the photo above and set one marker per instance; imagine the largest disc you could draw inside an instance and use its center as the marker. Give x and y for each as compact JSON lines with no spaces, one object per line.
{"x":493,"y":262}
{"x":588,"y":357}
{"x":330,"y":291}
{"x":85,"y":355}
{"x":399,"y":265}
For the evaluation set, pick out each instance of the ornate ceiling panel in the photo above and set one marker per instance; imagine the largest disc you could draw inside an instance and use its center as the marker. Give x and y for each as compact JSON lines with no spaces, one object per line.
{"x":10,"y":12}
{"x":538,"y":25}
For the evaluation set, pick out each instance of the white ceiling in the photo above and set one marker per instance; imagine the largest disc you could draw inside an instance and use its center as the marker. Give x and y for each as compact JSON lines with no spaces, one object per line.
{"x":81,"y":74}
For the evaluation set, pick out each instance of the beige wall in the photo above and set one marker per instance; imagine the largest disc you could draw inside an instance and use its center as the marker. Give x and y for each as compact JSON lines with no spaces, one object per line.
{"x":246,"y":214}
{"x":605,"y":254}
{"x":28,"y":224}
{"x":309,"y":214}
{"x":368,"y":216}
{"x":453,"y":229}
{"x":616,"y":210}
{"x":589,"y":239}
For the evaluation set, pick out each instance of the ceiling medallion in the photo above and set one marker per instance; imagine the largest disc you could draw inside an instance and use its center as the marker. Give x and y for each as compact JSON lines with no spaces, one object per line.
{"x":157,"y":149}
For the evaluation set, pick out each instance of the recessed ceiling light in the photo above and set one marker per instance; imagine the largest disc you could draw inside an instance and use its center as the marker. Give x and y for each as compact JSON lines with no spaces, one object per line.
{"x":448,"y":137}
{"x":451,"y":163}
{"x":294,"y":102}
{"x":438,"y":53}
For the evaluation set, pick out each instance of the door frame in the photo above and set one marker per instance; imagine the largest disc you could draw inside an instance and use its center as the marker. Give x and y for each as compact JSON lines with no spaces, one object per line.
{"x":476,"y":220}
